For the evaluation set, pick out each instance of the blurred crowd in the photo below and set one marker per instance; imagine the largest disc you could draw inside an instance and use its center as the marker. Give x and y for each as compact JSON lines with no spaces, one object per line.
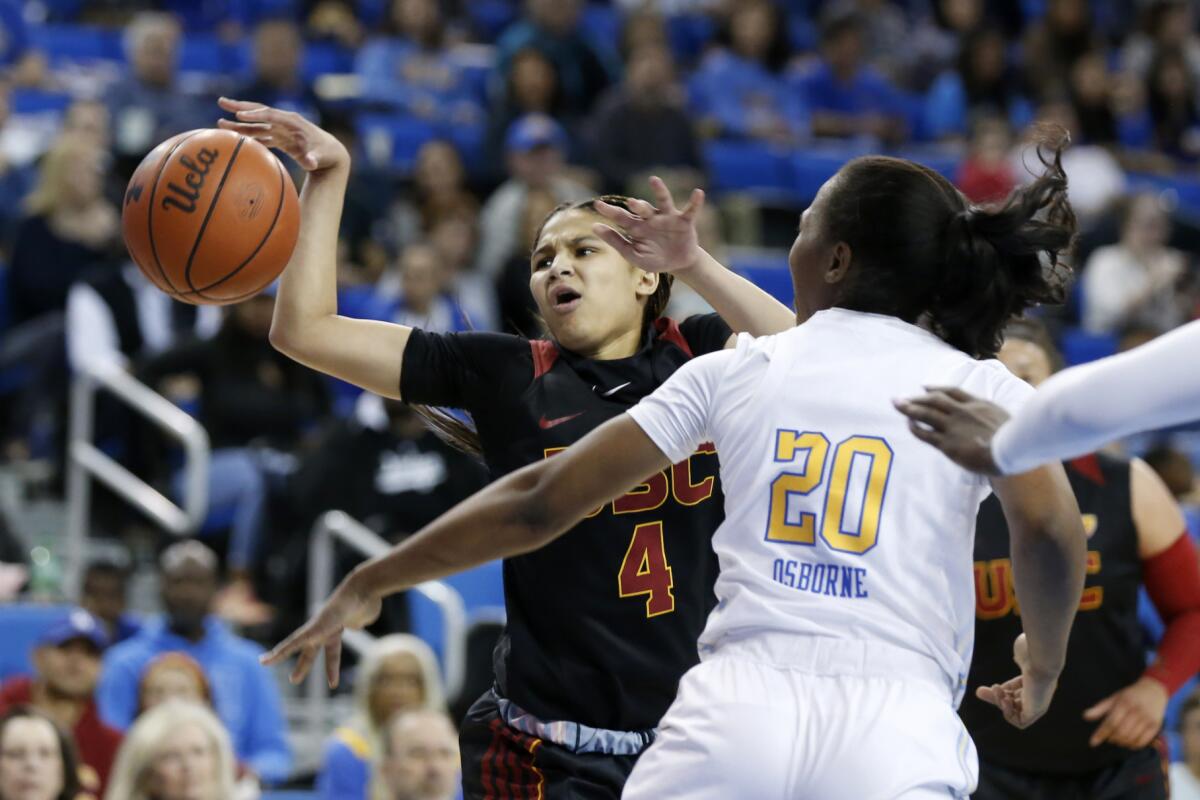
{"x":469,"y":120}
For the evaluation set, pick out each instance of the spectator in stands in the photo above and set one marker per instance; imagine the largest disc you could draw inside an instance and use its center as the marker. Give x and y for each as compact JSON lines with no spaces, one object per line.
{"x":1054,"y":43}
{"x":148,"y":105}
{"x":531,"y":87}
{"x":257,"y":406}
{"x":173,"y":676}
{"x":118,"y":316}
{"x":1175,"y":469}
{"x":16,"y":178}
{"x":585,"y":65}
{"x":399,"y":674}
{"x":1136,"y":282}
{"x":66,"y":663}
{"x":1167,"y":25}
{"x":982,"y":84}
{"x":1185,"y":774}
{"x":88,"y":119}
{"x":535,"y":147}
{"x":886,"y":35}
{"x":336,"y":21}
{"x":738,"y":90}
{"x":641,"y":126}
{"x":384,"y":467}
{"x":37,"y":758}
{"x":416,"y":298}
{"x":986,"y":174}
{"x":244,"y":693}
{"x":455,"y":238}
{"x":1090,"y":88}
{"x":277,"y":82}
{"x":103,"y":594}
{"x":410,"y":68}
{"x":642,"y":27}
{"x":937,"y":40}
{"x":22,"y":63}
{"x":1171,"y":101}
{"x":518,"y":310}
{"x":847,"y":98}
{"x":439,"y":190}
{"x":176,"y":751}
{"x":70,"y":227}
{"x":418,"y":758}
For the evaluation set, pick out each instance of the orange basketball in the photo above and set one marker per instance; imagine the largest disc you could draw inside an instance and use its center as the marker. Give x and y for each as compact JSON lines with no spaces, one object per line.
{"x":211,"y":217}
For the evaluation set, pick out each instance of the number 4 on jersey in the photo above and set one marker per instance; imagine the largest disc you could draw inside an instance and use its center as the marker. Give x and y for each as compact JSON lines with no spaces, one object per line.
{"x":645,"y":570}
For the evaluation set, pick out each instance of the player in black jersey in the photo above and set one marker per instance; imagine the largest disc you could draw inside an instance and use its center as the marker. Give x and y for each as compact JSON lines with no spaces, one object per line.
{"x":1097,"y":739}
{"x":603,"y":622}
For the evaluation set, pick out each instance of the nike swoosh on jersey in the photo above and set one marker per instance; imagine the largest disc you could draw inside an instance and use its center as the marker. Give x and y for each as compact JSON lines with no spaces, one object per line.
{"x":611,"y":392}
{"x":547,"y":424}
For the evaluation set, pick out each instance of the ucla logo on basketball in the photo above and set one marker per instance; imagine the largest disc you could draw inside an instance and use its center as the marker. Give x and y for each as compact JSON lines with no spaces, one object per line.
{"x":184,"y":197}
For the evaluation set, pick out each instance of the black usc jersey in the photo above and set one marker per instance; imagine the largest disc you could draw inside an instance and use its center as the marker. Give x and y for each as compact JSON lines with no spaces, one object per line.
{"x":1105,"y":651}
{"x":603,"y":621}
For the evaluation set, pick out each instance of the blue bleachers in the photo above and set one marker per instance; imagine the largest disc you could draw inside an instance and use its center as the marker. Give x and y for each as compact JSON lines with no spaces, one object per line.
{"x":1078,"y":346}
{"x":482,"y":590}
{"x":22,"y":624}
{"x":64,"y":44}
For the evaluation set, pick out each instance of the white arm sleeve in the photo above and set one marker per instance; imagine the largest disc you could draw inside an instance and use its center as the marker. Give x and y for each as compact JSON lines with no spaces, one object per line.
{"x":676,"y":415}
{"x":1083,"y":408}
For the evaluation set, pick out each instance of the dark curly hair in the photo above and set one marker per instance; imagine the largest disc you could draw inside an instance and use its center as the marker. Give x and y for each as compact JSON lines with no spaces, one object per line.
{"x":922,"y":252}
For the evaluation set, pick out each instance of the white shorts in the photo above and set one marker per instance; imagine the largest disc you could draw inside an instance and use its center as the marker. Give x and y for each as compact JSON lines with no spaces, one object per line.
{"x":801,"y":718}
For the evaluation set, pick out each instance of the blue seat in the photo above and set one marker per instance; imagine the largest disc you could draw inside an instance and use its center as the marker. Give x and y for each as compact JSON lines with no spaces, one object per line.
{"x":769,"y":273}
{"x":325,"y":58}
{"x":207,"y":53}
{"x":22,"y":624}
{"x":392,"y":140}
{"x":748,"y":166}
{"x":291,"y":794}
{"x":65,"y":44}
{"x":1078,"y":346}
{"x":35,"y":101}
{"x":482,"y":590}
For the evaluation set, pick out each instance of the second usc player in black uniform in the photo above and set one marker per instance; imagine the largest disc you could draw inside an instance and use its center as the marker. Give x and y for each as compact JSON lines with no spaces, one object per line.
{"x":1098,"y":739}
{"x":603,"y":622}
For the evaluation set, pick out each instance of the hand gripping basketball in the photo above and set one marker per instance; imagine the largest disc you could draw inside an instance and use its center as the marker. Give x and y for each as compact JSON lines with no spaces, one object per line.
{"x":308,"y":145}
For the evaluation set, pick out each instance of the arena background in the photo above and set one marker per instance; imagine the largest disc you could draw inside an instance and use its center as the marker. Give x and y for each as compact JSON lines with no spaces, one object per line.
{"x":467,"y":122}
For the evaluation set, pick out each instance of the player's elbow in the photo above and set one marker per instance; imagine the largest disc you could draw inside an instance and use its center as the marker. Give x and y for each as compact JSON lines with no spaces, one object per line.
{"x":539,"y":517}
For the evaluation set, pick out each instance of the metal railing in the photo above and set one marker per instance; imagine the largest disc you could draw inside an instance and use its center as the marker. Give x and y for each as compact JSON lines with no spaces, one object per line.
{"x":86,"y":462}
{"x":340,"y":526}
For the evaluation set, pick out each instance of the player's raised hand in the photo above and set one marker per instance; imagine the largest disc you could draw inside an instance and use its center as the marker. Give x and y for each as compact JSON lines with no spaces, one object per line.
{"x":957,"y":423}
{"x":1024,"y":699}
{"x":311,"y":147}
{"x":1131,"y":717}
{"x":658,"y":238}
{"x":345,"y":608}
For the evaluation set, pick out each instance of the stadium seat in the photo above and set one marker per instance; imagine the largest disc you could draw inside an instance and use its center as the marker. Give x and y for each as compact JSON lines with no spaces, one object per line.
{"x":35,"y":101}
{"x":688,"y":35}
{"x":1079,"y":346}
{"x":482,"y":590}
{"x":22,"y":624}
{"x":65,"y":44}
{"x":769,"y":273}
{"x":207,"y":54}
{"x":392,"y":140}
{"x":325,"y":58}
{"x":749,"y":166}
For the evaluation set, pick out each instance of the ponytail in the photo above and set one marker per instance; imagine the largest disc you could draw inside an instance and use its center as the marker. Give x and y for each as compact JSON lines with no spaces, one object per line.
{"x":921,"y":252}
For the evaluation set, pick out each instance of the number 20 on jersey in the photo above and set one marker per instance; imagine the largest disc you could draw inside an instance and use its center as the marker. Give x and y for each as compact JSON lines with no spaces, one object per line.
{"x":847,"y":521}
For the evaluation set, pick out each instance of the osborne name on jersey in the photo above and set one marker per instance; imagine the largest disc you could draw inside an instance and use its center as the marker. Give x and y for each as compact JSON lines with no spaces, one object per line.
{"x":835,"y":580}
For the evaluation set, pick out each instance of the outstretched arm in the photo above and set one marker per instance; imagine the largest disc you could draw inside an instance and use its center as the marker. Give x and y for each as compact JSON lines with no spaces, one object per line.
{"x":514,"y":515}
{"x":307,"y":327}
{"x":663,"y":239}
{"x":1076,"y":411}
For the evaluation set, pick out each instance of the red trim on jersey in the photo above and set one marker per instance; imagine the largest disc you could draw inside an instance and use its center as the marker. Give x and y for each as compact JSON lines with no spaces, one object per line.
{"x":668,"y":329}
{"x":485,"y":764}
{"x":544,"y":356}
{"x":1172,"y":579}
{"x":1089,"y":467}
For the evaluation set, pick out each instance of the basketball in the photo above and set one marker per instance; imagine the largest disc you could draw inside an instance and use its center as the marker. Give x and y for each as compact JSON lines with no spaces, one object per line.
{"x":211,"y":217}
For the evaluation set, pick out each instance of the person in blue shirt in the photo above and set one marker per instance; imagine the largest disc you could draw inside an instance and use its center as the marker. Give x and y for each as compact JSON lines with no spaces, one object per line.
{"x":585,"y":65}
{"x":983,"y":84}
{"x":398,"y":674}
{"x":847,"y":98}
{"x":245,"y":695}
{"x":738,"y":91}
{"x":411,"y":69}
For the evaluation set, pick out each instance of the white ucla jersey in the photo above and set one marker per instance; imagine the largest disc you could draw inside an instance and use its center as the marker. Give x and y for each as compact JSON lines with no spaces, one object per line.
{"x":839,"y":522}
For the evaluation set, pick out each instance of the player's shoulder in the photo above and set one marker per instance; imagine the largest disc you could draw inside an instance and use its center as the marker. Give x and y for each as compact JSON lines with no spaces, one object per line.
{"x":990,"y":379}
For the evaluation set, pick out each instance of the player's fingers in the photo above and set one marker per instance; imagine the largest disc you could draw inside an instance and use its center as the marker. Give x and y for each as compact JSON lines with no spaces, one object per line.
{"x":1100,"y":709}
{"x":926,"y":415}
{"x":662,"y":195}
{"x":333,"y":660}
{"x":1108,"y":726}
{"x":938,"y":400}
{"x":303,"y":664}
{"x":694,"y":204}
{"x":244,"y":128}
{"x":286,"y":648}
{"x":615,"y":213}
{"x":614,"y":239}
{"x":925,"y":435}
{"x":989,"y":694}
{"x":641,"y":208}
{"x":230,"y":104}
